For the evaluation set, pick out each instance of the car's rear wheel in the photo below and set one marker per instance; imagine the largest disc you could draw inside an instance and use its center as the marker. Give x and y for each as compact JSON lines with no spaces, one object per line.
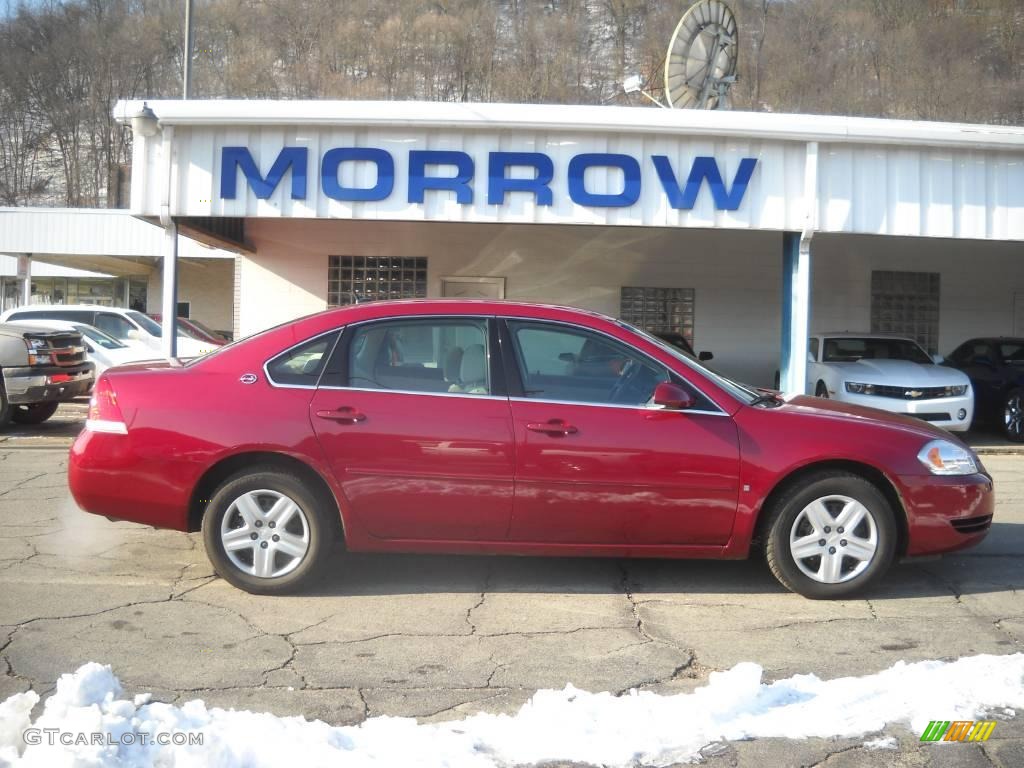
{"x":1013,"y":416}
{"x":821,"y":390}
{"x":32,"y":414}
{"x":830,"y":535}
{"x":265,"y":532}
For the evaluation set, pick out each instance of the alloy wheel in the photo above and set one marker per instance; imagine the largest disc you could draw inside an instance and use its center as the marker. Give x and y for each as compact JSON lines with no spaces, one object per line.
{"x":1013,"y":417}
{"x":833,"y":539}
{"x":265,"y":534}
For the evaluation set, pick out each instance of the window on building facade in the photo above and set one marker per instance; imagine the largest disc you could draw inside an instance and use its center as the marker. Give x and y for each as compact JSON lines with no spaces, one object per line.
{"x":658,"y":310}
{"x":354,"y":279}
{"x":906,"y":304}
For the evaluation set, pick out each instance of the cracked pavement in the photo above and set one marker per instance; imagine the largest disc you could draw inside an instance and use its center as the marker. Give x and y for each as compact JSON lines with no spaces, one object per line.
{"x":440,"y":638}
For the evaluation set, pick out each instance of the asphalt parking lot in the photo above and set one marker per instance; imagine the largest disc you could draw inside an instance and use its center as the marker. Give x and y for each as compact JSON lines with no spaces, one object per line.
{"x":439,"y":638}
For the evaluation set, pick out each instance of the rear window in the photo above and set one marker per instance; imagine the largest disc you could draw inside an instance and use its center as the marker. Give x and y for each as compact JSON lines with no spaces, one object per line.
{"x":1012,"y":352}
{"x":301,"y":366}
{"x":70,"y":315}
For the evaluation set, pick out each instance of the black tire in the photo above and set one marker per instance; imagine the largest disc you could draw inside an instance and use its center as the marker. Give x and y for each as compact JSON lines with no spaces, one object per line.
{"x":314,"y":521}
{"x":787,"y":517}
{"x":1012,"y":416}
{"x":36,"y":413}
{"x":821,"y":390}
{"x":778,"y":380}
{"x":5,"y":407}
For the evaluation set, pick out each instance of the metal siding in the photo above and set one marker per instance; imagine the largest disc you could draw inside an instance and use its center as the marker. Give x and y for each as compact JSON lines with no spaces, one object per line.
{"x":946,"y":191}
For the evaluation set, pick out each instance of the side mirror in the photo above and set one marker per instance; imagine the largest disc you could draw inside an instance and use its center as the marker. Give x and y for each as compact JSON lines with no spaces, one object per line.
{"x":673,"y":397}
{"x":705,"y":356}
{"x":134,"y":334}
{"x":938,"y":359}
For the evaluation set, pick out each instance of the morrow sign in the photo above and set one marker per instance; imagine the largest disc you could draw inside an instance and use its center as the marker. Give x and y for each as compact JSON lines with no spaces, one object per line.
{"x":454,"y":171}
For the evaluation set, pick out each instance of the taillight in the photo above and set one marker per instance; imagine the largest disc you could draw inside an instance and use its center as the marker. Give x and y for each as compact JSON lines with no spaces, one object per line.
{"x":104,"y":415}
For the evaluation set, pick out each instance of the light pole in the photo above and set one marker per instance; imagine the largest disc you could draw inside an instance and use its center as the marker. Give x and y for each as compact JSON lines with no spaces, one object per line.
{"x":187,"y":63}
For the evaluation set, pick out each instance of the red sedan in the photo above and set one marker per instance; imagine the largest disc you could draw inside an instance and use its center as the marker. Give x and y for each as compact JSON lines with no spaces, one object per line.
{"x":463,"y":426}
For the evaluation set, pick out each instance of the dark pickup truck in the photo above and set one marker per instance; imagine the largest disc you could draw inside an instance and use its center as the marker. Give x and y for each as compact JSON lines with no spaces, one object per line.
{"x":41,"y":368}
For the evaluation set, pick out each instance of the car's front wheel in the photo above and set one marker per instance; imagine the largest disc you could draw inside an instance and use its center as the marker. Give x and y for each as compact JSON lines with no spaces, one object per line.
{"x":36,"y":413}
{"x":830,"y":535}
{"x":265,"y":532}
{"x":1013,"y":416}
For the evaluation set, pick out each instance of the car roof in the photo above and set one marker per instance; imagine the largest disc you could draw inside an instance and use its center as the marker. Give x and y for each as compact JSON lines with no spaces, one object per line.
{"x":61,"y":325}
{"x":62,"y":307}
{"x":849,"y":335}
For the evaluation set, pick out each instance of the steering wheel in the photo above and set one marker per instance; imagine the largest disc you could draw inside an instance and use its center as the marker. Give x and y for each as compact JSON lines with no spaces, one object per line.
{"x":629,"y":372}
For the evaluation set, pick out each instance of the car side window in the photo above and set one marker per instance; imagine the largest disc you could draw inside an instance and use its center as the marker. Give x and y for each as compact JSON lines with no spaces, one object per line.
{"x":114,"y":325}
{"x":567,"y":364}
{"x":300,"y":366}
{"x":433,"y":355}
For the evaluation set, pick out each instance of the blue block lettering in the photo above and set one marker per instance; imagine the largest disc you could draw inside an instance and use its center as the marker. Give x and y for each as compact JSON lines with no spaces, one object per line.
{"x":630,"y":170}
{"x":498,"y":184}
{"x":233,"y":158}
{"x":704,"y":168}
{"x":419,"y":182}
{"x":335,"y":157}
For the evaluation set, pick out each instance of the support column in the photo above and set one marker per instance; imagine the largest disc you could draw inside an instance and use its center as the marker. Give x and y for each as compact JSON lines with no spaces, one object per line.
{"x":169,"y":305}
{"x":796,"y":312}
{"x":25,"y":278}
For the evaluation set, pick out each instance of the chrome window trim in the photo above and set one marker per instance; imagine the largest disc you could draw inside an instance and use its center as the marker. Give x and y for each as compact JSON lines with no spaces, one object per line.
{"x":639,"y":352}
{"x":646,"y":408}
{"x":415,"y":392}
{"x":266,"y":370}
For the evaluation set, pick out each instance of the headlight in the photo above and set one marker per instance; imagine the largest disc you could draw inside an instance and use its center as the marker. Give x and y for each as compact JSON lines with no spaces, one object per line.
{"x":860,"y":389}
{"x":941,"y":457}
{"x":956,"y":391}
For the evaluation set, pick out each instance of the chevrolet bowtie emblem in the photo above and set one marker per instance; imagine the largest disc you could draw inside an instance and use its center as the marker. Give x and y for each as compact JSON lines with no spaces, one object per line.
{"x":913,"y":393}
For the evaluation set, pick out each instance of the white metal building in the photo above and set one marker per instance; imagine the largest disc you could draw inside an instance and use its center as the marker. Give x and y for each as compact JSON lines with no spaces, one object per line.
{"x":742,"y":230}
{"x":109,"y":258}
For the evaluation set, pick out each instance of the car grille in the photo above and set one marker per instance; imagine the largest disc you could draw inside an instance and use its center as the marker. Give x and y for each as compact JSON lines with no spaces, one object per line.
{"x":972,"y":524}
{"x":910,"y":393}
{"x":931,"y":416}
{"x":66,"y":350}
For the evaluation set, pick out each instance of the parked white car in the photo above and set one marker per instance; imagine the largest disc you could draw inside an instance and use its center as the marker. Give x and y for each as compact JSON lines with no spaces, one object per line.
{"x":125,"y":325}
{"x":890,"y":373}
{"x":101,"y":349}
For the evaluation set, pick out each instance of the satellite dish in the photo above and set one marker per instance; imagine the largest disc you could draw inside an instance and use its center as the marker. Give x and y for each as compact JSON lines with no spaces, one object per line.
{"x":701,"y":61}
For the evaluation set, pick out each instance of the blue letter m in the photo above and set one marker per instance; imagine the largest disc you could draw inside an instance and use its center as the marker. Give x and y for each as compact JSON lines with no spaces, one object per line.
{"x":704,"y":168}
{"x":233,"y":158}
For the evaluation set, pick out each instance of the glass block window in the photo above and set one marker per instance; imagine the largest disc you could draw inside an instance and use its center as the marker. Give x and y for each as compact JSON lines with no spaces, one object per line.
{"x":355,"y":279}
{"x":659,"y":310}
{"x":906,"y":304}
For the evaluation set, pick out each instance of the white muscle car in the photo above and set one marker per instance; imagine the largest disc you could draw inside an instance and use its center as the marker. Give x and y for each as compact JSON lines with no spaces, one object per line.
{"x":890,"y":373}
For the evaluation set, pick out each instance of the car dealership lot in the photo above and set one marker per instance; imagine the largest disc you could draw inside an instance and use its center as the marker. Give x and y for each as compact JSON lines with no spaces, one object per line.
{"x":441,"y":637}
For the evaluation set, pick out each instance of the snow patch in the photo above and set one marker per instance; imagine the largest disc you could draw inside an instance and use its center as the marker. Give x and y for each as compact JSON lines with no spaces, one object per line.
{"x":567,"y":725}
{"x":885,"y":742}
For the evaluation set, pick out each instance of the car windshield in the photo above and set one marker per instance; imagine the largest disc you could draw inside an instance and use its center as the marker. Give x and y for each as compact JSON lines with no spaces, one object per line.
{"x":739,"y":391}
{"x":212,"y":335}
{"x":1012,"y":352}
{"x":147,"y":323}
{"x":102,"y":339}
{"x":847,"y":349}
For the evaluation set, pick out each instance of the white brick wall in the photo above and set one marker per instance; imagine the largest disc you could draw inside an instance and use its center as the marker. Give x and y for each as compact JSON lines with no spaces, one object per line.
{"x":207,"y":283}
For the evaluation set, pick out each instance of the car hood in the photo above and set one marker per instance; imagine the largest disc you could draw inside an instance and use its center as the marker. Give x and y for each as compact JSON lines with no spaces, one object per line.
{"x":900,"y":373}
{"x":820,"y":407}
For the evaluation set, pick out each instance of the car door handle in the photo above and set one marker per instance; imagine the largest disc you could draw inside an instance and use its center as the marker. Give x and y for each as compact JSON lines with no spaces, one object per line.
{"x":553,"y":427}
{"x":345,"y":415}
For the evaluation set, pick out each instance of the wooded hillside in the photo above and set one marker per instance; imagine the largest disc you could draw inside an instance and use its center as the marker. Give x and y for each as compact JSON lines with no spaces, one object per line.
{"x":63,"y":64}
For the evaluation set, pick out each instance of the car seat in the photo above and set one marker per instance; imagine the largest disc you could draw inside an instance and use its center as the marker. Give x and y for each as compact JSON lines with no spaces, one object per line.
{"x":472,"y":372}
